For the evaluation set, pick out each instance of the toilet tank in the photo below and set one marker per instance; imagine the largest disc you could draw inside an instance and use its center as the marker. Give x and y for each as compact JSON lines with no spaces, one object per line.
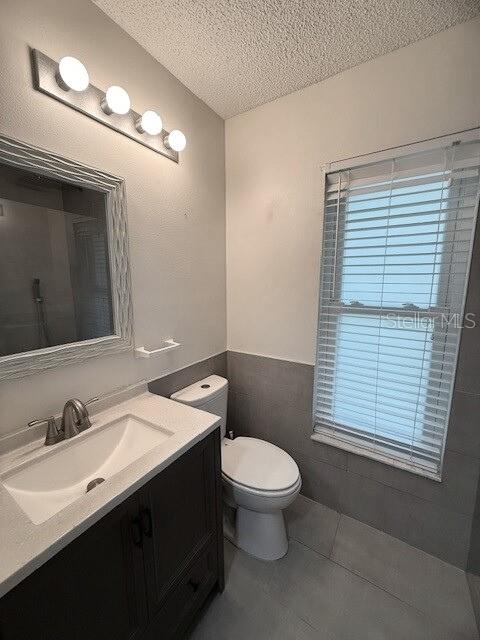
{"x":209,"y":394}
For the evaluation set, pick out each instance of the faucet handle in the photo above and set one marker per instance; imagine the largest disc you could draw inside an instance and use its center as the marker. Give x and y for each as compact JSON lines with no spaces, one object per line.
{"x":35,"y":423}
{"x":92,"y":400}
{"x":53,"y":434}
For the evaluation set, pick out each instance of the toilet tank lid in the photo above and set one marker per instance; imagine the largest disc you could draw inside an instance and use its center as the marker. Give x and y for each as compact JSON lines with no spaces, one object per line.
{"x":202,"y":391}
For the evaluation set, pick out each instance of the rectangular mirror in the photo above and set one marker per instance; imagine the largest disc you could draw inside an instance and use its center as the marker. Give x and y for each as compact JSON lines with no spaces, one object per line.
{"x":64,"y":279}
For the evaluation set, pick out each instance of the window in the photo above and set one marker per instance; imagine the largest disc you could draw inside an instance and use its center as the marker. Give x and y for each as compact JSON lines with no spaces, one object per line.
{"x":397,"y":240}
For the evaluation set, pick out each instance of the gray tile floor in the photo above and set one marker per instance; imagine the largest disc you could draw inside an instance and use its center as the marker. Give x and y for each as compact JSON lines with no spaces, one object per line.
{"x":340,"y":580}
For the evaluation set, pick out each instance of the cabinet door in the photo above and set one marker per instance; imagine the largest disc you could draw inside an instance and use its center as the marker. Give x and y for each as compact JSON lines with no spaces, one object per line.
{"x":180,"y":517}
{"x":93,"y":589}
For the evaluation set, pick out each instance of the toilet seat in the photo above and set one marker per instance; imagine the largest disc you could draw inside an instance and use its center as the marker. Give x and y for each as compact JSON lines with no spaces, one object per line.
{"x":259,"y":467}
{"x":262,"y":492}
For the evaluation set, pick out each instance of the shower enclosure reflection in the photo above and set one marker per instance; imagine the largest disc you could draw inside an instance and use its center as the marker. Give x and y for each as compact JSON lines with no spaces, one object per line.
{"x":54,"y":263}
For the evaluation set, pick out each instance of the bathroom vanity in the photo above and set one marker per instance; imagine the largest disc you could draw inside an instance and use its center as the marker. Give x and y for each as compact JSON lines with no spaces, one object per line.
{"x":146,"y":565}
{"x":110,"y":528}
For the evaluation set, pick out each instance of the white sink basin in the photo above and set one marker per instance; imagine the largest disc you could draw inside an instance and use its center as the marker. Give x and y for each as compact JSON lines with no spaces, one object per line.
{"x":48,"y":485}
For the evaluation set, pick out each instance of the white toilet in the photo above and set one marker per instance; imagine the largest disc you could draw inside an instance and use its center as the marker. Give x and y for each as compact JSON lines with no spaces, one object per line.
{"x":259,"y":479}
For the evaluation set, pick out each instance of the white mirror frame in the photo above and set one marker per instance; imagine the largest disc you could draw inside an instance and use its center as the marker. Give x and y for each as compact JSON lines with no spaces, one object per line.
{"x":19,"y":154}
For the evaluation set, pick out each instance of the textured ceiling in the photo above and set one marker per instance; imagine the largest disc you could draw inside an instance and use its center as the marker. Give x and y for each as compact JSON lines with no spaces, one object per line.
{"x":237,"y":54}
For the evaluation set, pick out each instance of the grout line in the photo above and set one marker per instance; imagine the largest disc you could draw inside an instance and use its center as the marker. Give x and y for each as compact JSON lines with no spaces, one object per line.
{"x":469,"y":456}
{"x":389,"y":486}
{"x":340,"y":516}
{"x":425,"y":614}
{"x":467,"y":393}
{"x":284,"y":401}
{"x":413,"y":495}
{"x":369,"y":581}
{"x":377,"y":531}
{"x":278,"y":598}
{"x":319,"y":553}
{"x":272,"y":595}
{"x":374,"y":583}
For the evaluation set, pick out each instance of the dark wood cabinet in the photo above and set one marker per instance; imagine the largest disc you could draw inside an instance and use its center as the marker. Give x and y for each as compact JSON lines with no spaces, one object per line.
{"x":139,"y":573}
{"x":180,"y":517}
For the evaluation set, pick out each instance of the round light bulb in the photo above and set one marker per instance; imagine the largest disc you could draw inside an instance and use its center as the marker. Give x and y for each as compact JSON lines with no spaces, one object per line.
{"x":72,"y":74}
{"x":116,"y":100}
{"x":176,"y":140}
{"x":150,"y":123}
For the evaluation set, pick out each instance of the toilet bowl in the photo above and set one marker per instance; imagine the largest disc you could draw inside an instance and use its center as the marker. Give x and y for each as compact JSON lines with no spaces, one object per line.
{"x":259,"y":479}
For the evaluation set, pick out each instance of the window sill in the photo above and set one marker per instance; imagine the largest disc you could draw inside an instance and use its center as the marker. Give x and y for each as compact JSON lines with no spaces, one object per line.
{"x":384,"y":458}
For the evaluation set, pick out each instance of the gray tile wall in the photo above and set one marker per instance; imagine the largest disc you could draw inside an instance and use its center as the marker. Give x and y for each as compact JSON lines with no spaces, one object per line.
{"x":272,"y":399}
{"x":167,"y":385}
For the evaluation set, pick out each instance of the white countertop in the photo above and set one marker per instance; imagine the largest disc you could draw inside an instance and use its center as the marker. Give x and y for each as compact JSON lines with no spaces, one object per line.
{"x":25,"y":546}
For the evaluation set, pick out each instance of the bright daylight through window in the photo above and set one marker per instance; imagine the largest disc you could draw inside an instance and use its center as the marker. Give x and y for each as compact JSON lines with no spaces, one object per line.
{"x":397,"y":243}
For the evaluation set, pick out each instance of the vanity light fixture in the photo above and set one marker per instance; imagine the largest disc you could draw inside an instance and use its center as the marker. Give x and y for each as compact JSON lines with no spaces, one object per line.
{"x":175,"y":140}
{"x":68,"y":82}
{"x":72,"y":74}
{"x":150,"y":123}
{"x":116,"y":100}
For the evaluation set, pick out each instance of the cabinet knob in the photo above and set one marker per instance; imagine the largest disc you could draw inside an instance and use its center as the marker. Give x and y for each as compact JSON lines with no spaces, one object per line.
{"x":194,"y":584}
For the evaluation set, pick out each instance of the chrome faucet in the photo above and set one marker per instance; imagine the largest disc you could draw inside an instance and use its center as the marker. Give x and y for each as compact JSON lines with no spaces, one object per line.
{"x":75,"y":419}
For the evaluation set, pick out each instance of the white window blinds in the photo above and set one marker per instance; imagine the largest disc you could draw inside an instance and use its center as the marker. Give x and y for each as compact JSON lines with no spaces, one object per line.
{"x":397,"y":242}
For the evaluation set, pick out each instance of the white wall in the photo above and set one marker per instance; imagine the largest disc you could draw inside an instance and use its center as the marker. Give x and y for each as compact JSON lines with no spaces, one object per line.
{"x":274,"y":156}
{"x":176,"y":212}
